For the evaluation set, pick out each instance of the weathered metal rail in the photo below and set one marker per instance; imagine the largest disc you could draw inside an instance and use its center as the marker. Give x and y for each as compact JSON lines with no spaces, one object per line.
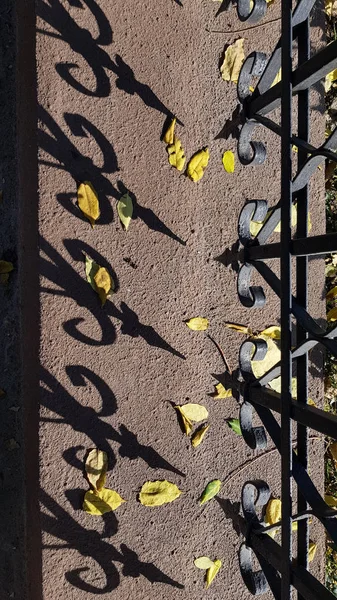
{"x":280,"y":571}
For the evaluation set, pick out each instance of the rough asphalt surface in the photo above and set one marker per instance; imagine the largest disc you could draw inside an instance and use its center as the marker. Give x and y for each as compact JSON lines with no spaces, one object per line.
{"x":109,"y":75}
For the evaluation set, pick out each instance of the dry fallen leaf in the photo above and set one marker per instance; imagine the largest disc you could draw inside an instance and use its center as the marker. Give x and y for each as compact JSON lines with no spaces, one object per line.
{"x":273,"y":511}
{"x":221,"y":393}
{"x":233,"y":61}
{"x":169,"y":133}
{"x":332,"y":314}
{"x":331,"y":501}
{"x":255,"y":226}
{"x":99,"y":279}
{"x":199,"y":435}
{"x":211,"y":490}
{"x":228,"y":161}
{"x":331,"y":8}
{"x":96,"y":467}
{"x":212,"y":572}
{"x":333,"y":451}
{"x":88,"y":202}
{"x":234,"y":425}
{"x":329,"y":79}
{"x":312,"y":551}
{"x":240,"y":328}
{"x":176,"y":155}
{"x":278,"y":78}
{"x":99,"y":503}
{"x":203,"y":562}
{"x":198,"y":164}
{"x":193,"y":412}
{"x":156,"y":493}
{"x":188,"y":426}
{"x":125,"y":210}
{"x":197,"y":324}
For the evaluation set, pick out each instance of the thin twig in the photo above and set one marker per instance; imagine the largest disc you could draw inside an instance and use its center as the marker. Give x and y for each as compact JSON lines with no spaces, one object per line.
{"x":246,"y":29}
{"x":222,"y":354}
{"x":255,"y":458}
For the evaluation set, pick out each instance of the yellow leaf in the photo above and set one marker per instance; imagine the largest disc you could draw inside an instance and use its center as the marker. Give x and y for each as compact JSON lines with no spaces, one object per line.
{"x":331,"y":501}
{"x":278,"y":78}
{"x":197,"y":324}
{"x":333,"y":451}
{"x":169,"y":133}
{"x":332,"y":314}
{"x":273,"y":332}
{"x":240,"y":328}
{"x":99,"y":503}
{"x":233,"y":61}
{"x":228,"y":161}
{"x":329,"y":79}
{"x":203,"y":562}
{"x":212,"y":572}
{"x":332,"y":293}
{"x":331,"y":8}
{"x":96,"y":467}
{"x":312,"y":551}
{"x":199,"y":435}
{"x":273,"y":511}
{"x":272,"y":357}
{"x":211,"y":490}
{"x":88,"y":202}
{"x":221,"y":392}
{"x":194,"y":412}
{"x":125,"y":210}
{"x":99,"y":279}
{"x":186,"y":422}
{"x":255,"y":226}
{"x":103,"y":284}
{"x":5,"y":267}
{"x":198,"y":164}
{"x":156,"y":493}
{"x":176,"y":155}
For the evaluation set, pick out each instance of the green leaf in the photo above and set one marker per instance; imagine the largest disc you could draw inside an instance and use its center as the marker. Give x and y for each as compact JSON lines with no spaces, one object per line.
{"x":234,"y":424}
{"x":125,"y":210}
{"x":211,"y":489}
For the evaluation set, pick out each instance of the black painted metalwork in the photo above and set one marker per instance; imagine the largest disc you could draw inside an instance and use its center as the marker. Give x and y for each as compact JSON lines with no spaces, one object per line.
{"x":278,"y":571}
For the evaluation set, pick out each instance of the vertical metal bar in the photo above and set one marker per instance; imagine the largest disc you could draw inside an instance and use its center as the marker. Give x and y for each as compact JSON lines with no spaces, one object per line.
{"x":286,"y":370}
{"x":302,"y":296}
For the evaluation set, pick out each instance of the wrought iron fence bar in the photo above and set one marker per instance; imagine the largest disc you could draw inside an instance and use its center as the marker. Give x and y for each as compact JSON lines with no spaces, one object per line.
{"x":305,"y":76}
{"x":297,"y":141}
{"x":286,"y":366}
{"x":318,"y":245}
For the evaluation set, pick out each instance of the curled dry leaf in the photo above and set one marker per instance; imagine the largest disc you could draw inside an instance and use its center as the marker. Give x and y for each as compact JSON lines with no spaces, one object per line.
{"x":198,"y":164}
{"x":239,"y":328}
{"x":176,"y":155}
{"x":332,"y":293}
{"x":273,"y":332}
{"x":332,"y":314}
{"x":203,"y":562}
{"x":125,"y":210}
{"x":233,"y":61}
{"x":312,"y":551}
{"x":187,"y":424}
{"x":101,"y":502}
{"x":156,"y":493}
{"x":234,"y":425}
{"x":88,"y":202}
{"x":273,"y":511}
{"x":228,"y":161}
{"x":199,"y":435}
{"x":194,"y":412}
{"x":99,"y":279}
{"x":212,"y":572}
{"x":197,"y":324}
{"x":221,"y":393}
{"x":169,"y":133}
{"x":211,"y":490}
{"x":331,"y":501}
{"x":96,"y":467}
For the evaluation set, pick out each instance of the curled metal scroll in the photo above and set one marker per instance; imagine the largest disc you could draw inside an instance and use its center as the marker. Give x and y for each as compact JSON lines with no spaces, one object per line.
{"x":255,"y":210}
{"x":249,"y":296}
{"x":255,"y":581}
{"x":255,"y":437}
{"x":251,"y":14}
{"x":250,"y":152}
{"x":253,"y":66}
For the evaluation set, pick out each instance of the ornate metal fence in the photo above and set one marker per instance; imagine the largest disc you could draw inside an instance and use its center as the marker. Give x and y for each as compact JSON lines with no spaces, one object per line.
{"x":279,"y":571}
